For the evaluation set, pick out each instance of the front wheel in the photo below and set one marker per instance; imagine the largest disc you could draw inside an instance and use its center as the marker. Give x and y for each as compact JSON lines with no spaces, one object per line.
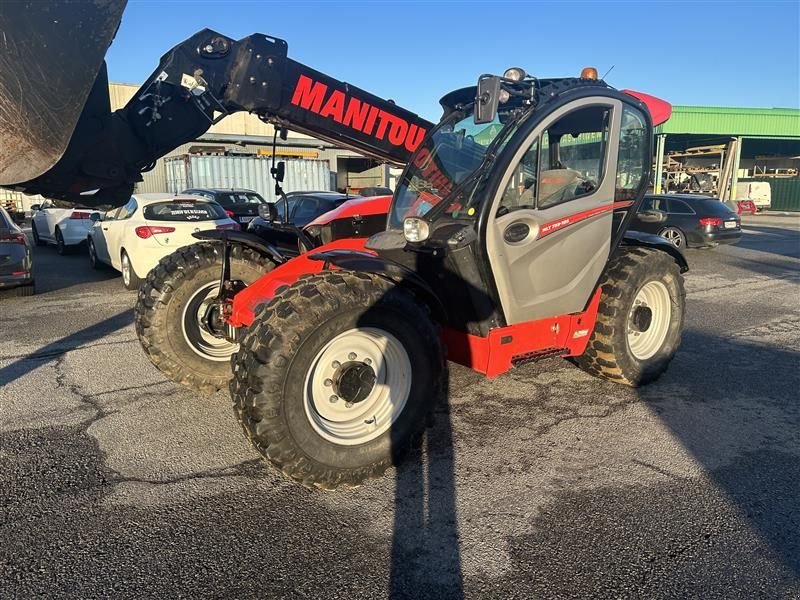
{"x":172,"y":303}
{"x":130,"y":279}
{"x":36,"y":239}
{"x":93,"y":260}
{"x":61,"y":247}
{"x":336,"y":377}
{"x":639,"y":322}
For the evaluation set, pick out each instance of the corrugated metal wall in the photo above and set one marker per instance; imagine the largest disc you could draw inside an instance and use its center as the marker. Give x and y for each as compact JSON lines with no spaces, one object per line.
{"x":785,"y":192}
{"x":243,"y":172}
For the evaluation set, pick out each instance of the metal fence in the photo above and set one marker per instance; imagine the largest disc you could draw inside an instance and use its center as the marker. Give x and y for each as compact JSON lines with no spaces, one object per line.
{"x":250,"y":172}
{"x":785,"y":192}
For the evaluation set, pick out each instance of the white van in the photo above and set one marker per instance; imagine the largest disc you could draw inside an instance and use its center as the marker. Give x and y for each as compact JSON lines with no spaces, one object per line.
{"x":758,"y":191}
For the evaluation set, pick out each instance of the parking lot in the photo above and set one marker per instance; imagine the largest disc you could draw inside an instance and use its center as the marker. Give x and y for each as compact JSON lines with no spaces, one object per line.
{"x":543,"y":482}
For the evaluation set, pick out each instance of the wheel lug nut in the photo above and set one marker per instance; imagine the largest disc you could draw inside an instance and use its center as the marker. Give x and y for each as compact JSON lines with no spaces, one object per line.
{"x":367,"y":361}
{"x":348,"y":405}
{"x":351,"y":356}
{"x":336,"y":364}
{"x":328,"y":382}
{"x":334,"y":399}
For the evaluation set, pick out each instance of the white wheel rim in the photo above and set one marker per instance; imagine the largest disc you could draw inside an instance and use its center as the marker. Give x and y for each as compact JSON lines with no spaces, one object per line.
{"x":126,"y":269}
{"x":645,"y":342}
{"x":673,"y":236}
{"x":353,"y":423}
{"x":203,"y":343}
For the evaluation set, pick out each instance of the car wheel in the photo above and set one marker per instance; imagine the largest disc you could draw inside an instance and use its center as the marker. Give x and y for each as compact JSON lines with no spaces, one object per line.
{"x":172,"y":303}
{"x":640,"y":318}
{"x":335,"y":378}
{"x":61,"y":247}
{"x":93,"y":254}
{"x":36,"y":239}
{"x":674,"y":236}
{"x":130,"y":279}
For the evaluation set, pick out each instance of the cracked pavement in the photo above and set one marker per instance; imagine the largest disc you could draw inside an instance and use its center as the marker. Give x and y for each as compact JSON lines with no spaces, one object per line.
{"x":541,"y":483}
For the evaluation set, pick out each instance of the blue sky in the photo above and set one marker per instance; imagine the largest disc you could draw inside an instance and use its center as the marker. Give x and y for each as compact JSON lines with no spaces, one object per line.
{"x":415,"y":52}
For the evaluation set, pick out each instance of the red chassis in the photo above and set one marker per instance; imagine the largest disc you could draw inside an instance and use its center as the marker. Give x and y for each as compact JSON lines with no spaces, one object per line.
{"x":564,"y":335}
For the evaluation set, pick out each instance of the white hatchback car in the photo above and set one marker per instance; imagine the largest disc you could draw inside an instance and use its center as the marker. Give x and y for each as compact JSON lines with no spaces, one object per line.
{"x":133,"y":238}
{"x":64,"y":227}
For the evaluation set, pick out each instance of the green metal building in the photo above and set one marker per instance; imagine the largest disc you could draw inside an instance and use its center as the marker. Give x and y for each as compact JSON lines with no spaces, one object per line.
{"x":767,"y":144}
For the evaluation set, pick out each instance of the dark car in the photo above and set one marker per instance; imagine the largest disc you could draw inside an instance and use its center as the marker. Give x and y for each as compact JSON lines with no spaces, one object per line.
{"x":691,"y":221}
{"x":303,"y":207}
{"x":16,"y":262}
{"x":241,"y":205}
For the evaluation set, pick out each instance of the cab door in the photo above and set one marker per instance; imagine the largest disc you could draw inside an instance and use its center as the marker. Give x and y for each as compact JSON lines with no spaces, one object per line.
{"x":549,"y":231}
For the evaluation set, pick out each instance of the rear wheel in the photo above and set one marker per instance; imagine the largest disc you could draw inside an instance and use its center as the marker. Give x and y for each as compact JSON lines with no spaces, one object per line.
{"x":639,"y":322}
{"x":171,"y":303}
{"x":336,"y":377}
{"x":130,"y":279}
{"x":674,"y":236}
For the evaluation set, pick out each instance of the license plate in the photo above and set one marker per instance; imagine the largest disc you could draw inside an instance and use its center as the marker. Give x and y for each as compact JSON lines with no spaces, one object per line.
{"x":730,"y":224}
{"x":245,"y":219}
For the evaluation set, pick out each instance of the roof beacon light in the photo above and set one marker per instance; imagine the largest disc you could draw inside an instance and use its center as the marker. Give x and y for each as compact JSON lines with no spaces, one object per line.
{"x":515,"y":74}
{"x":589,"y":73}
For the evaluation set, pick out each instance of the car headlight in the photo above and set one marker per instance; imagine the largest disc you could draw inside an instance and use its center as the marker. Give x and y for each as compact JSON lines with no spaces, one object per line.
{"x":416,"y":229}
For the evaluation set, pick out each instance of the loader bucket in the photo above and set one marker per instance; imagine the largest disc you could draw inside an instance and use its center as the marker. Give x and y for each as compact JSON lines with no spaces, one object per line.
{"x":51,"y":51}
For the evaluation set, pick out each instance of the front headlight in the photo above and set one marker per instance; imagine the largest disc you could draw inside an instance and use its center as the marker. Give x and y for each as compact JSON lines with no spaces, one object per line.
{"x":416,"y":229}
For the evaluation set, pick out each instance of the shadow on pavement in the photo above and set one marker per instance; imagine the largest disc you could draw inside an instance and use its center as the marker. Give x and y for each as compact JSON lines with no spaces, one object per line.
{"x":773,"y":240}
{"x":52,"y":351}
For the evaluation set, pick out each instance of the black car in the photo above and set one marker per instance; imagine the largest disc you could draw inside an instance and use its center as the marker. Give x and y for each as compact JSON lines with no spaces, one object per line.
{"x":241,"y":205}
{"x":303,"y":207}
{"x":689,"y":220}
{"x":16,"y":262}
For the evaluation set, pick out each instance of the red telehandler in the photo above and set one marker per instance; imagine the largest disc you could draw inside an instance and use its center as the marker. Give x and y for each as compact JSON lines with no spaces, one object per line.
{"x":506,"y":240}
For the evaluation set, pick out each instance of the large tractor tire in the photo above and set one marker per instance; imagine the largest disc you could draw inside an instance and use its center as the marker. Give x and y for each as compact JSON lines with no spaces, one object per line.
{"x":171,"y":302}
{"x":640,"y":319}
{"x":335,"y":379}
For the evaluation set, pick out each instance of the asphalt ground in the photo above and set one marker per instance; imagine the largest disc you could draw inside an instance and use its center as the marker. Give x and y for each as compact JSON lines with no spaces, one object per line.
{"x":541,"y":483}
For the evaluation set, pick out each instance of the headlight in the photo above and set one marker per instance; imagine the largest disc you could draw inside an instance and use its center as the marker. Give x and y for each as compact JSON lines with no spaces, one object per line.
{"x":416,"y":229}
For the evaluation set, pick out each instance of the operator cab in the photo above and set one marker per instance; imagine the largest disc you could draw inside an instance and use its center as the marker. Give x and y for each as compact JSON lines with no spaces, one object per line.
{"x":518,"y":206}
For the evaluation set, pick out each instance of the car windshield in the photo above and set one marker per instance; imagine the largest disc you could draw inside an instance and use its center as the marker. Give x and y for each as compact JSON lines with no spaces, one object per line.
{"x":449,"y":156}
{"x":230,"y":199}
{"x":184,"y":210}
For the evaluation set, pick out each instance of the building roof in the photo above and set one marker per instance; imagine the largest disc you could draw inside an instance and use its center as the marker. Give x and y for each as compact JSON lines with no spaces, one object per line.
{"x":726,"y":121}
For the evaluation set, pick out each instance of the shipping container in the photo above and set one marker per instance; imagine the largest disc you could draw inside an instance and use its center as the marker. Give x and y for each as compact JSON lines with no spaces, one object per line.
{"x":249,"y":172}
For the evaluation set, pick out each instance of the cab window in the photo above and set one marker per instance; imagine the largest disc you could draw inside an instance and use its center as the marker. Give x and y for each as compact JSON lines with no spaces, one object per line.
{"x":565,"y":163}
{"x":633,"y":158}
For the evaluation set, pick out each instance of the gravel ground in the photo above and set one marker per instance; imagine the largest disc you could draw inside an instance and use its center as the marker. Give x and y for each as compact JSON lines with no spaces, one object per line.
{"x":541,"y":483}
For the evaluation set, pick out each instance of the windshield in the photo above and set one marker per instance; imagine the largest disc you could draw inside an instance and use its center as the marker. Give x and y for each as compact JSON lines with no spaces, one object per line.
{"x":449,"y":156}
{"x":232,"y":199}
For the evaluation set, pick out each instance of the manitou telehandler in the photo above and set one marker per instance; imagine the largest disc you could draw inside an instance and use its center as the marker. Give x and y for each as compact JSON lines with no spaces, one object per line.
{"x":506,"y":239}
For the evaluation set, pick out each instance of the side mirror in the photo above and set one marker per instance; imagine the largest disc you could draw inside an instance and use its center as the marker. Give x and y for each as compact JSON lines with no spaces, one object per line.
{"x":652,"y":216}
{"x":36,"y":207}
{"x":487,"y":99}
{"x":95,"y":217}
{"x":268,"y":211}
{"x":279,"y":171}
